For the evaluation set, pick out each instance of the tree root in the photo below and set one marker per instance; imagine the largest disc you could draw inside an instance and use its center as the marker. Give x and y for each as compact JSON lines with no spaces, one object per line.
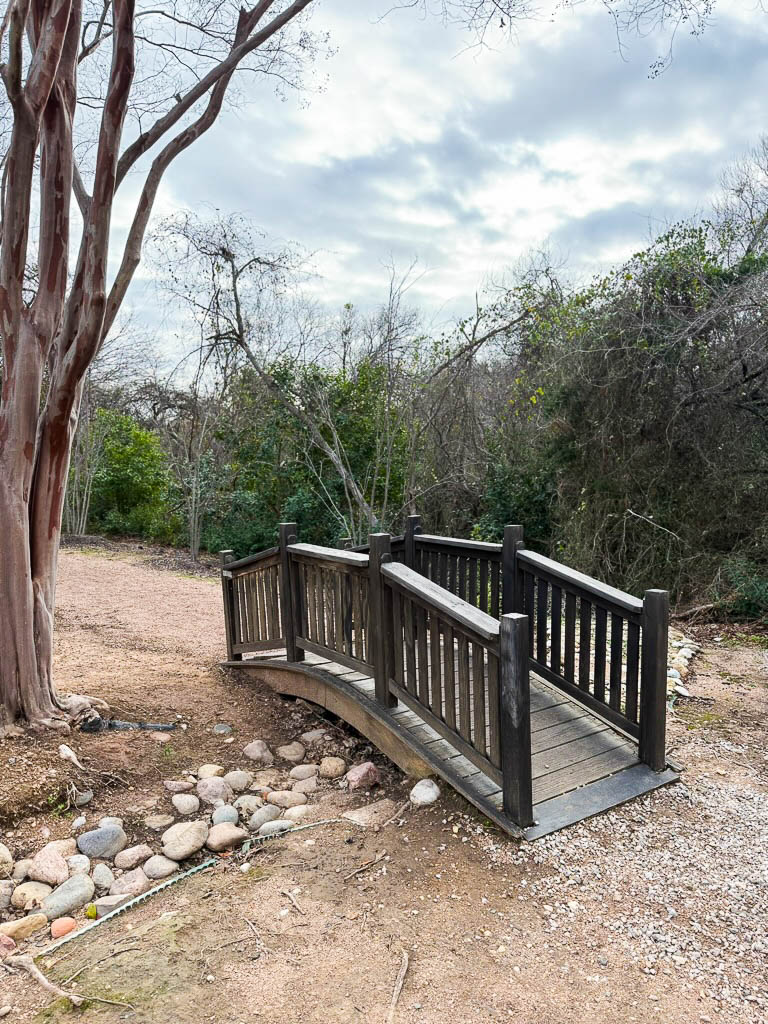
{"x":26,"y":963}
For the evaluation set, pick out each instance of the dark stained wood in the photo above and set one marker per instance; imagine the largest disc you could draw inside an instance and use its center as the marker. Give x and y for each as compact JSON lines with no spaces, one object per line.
{"x":569,"y":667}
{"x":478,"y":699}
{"x":515,"y":719}
{"x":397,"y":639}
{"x":227,"y":597}
{"x":617,"y":635}
{"x":409,"y":630}
{"x":585,"y":643}
{"x":555,"y":656}
{"x":465,"y":718}
{"x":449,"y":669}
{"x":555,"y":572}
{"x":379,"y":550}
{"x":412,"y":528}
{"x":422,"y":658}
{"x":653,"y":684}
{"x":494,"y":709}
{"x":542,"y":596}
{"x":435,"y":665}
{"x":447,"y":605}
{"x":598,"y":684}
{"x":287,"y":537}
{"x":633,"y":670}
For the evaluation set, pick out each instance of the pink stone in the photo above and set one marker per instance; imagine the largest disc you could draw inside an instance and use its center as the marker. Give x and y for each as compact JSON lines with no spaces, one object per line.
{"x":7,"y":946}
{"x":363,"y":776}
{"x":62,"y":926}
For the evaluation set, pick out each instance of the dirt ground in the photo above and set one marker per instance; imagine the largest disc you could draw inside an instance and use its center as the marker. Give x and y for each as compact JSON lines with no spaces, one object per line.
{"x":656,"y":912}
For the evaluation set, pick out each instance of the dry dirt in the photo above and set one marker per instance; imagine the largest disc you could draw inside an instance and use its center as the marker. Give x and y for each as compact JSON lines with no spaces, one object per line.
{"x":653,"y":913}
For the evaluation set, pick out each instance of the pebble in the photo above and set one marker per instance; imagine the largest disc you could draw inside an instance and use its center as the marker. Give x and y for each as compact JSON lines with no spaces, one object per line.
{"x":176,"y":786}
{"x":424,"y":793}
{"x":24,"y":926}
{"x":6,"y":891}
{"x":7,"y":946}
{"x":225,"y":836}
{"x":158,"y":822}
{"x":182,"y":840}
{"x":274,"y":828}
{"x":293,"y":752}
{"x":238,"y":781}
{"x":83,"y":798}
{"x":377,"y":813}
{"x":305,"y":785}
{"x":297,"y":813}
{"x":214,"y":788}
{"x":286,"y":798}
{"x":262,"y":816}
{"x":102,"y":877}
{"x":226,"y":815}
{"x":210,"y":771}
{"x":70,"y":896}
{"x":48,"y":866}
{"x":303,"y":771}
{"x":132,"y":883}
{"x":105,"y":841}
{"x":161,"y":737}
{"x":6,"y":861}
{"x":5,"y":1010}
{"x":78,"y":864}
{"x":258,"y":750}
{"x":29,"y":895}
{"x":222,"y":729}
{"x":160,"y":867}
{"x":21,"y":869}
{"x":248,"y":804}
{"x":332,"y":768}
{"x":132,"y":857}
{"x":313,"y":736}
{"x":186,"y":803}
{"x":363,"y":776}
{"x":78,"y":822}
{"x":62,"y":926}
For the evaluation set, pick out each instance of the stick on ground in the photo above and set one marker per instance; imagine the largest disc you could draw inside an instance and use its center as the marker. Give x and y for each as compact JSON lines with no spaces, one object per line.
{"x":26,"y":963}
{"x":399,"y":982}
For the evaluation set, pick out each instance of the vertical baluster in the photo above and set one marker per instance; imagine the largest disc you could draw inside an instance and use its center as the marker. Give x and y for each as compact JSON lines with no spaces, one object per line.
{"x":472,"y":573}
{"x":495,"y":590}
{"x":478,"y":697}
{"x":409,"y":613}
{"x":585,"y":643}
{"x":529,"y":591}
{"x":494,"y":726}
{"x":422,"y":664}
{"x":601,"y":629}
{"x":617,"y":660}
{"x":462,"y":585}
{"x":453,"y":574}
{"x":557,"y":625}
{"x":397,"y":640}
{"x":465,"y":722}
{"x":449,"y":656}
{"x":633,"y":670}
{"x":542,"y":593}
{"x":436,"y":661}
{"x":443,"y":570}
{"x":483,"y":597}
{"x":570,"y":637}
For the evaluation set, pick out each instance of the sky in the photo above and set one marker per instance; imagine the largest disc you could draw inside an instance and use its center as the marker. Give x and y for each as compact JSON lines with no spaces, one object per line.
{"x":421,"y":147}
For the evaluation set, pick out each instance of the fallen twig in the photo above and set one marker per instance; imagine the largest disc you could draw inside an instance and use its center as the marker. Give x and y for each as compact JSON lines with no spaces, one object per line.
{"x":364,"y":867}
{"x":399,"y":982}
{"x":397,"y":813}
{"x":26,"y":963}
{"x":109,"y":1002}
{"x":87,"y":967}
{"x":284,"y":892}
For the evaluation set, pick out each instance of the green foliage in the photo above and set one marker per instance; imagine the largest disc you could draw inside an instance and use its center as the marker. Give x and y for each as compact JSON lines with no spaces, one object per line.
{"x":742,"y":590}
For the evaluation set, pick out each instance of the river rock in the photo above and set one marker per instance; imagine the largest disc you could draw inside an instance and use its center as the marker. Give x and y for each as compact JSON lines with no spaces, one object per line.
{"x":105,"y":841}
{"x":83,"y":797}
{"x":313,"y":736}
{"x":62,"y":926}
{"x":258,"y":751}
{"x":274,"y":828}
{"x":106,"y":904}
{"x":225,"y":836}
{"x":78,"y":864}
{"x":377,"y":813}
{"x":158,"y":822}
{"x":186,"y":803}
{"x":226,"y":815}
{"x":293,"y":752}
{"x":286,"y":798}
{"x":29,"y":895}
{"x":305,"y":785}
{"x":332,"y":768}
{"x":297,"y":813}
{"x":102,"y":877}
{"x":68,"y":897}
{"x":133,"y":856}
{"x":303,"y":771}
{"x":6,"y":862}
{"x":248,"y":804}
{"x":238,"y":781}
{"x":176,"y":786}
{"x":160,"y":867}
{"x":132,"y":883}
{"x":222,"y":729}
{"x":214,"y":788}
{"x":210,"y":771}
{"x":110,"y":819}
{"x":363,"y":776}
{"x":21,"y":869}
{"x":66,"y":847}
{"x":23,"y":926}
{"x":48,"y":866}
{"x":182,"y":840}
{"x":78,"y":823}
{"x":424,"y":793}
{"x":262,"y":816}
{"x":6,"y":891}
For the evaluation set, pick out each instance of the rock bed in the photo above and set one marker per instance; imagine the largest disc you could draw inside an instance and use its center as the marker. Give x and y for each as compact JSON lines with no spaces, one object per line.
{"x":211,"y":810}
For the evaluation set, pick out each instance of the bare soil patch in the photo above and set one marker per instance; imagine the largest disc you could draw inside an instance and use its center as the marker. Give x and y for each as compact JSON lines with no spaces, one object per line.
{"x":656,"y":912}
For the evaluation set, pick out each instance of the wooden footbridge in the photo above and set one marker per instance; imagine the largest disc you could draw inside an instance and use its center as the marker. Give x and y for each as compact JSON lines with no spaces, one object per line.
{"x":537,"y":692}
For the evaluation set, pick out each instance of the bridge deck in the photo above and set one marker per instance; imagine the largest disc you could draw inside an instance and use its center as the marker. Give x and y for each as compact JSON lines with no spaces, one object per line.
{"x":580,"y":765}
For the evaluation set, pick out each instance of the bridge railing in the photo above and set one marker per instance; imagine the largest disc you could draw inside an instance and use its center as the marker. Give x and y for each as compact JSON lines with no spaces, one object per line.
{"x":251,"y":592}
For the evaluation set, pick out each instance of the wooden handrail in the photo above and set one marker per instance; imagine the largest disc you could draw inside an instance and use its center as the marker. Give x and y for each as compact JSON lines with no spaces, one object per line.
{"x":579,"y":581}
{"x":334,"y":555}
{"x":465,"y":614}
{"x":456,"y":542}
{"x":260,"y":556}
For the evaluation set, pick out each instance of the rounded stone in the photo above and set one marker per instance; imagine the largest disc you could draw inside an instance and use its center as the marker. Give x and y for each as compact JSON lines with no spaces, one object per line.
{"x":21,"y":869}
{"x":262,"y":816}
{"x":105,"y":841}
{"x":332,"y":768}
{"x":102,"y":877}
{"x":158,"y":867}
{"x":214,"y":788}
{"x":222,"y":729}
{"x":238,"y":781}
{"x":182,"y":840}
{"x":62,"y":926}
{"x":363,"y":776}
{"x":248,"y":804}
{"x":29,"y":895}
{"x":274,"y":828}
{"x":186,"y":803}
{"x":175,"y":786}
{"x":424,"y":793}
{"x":68,"y":897}
{"x":293,"y":752}
{"x":313,"y":736}
{"x":224,"y":836}
{"x":49,"y":866}
{"x":132,"y":883}
{"x":6,"y":861}
{"x":286,"y":798}
{"x":78,"y":864}
{"x":259,"y":751}
{"x":6,"y":892}
{"x":110,"y":819}
{"x":158,"y":822}
{"x":297,"y":813}
{"x":24,"y":926}
{"x":305,"y":785}
{"x":210,"y":771}
{"x":132,"y":857}
{"x":303,"y":771}
{"x":226,"y":815}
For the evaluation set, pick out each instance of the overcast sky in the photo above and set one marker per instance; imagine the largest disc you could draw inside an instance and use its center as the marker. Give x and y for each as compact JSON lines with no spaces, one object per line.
{"x":466,"y":159}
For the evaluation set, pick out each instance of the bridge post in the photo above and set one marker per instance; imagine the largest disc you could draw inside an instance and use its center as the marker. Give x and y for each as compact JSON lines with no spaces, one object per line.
{"x":653,"y":680}
{"x":511,"y":582}
{"x":515,"y":719}
{"x":380,"y":612}
{"x":412,"y":527}
{"x":288,"y":594}
{"x":227,"y":590}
